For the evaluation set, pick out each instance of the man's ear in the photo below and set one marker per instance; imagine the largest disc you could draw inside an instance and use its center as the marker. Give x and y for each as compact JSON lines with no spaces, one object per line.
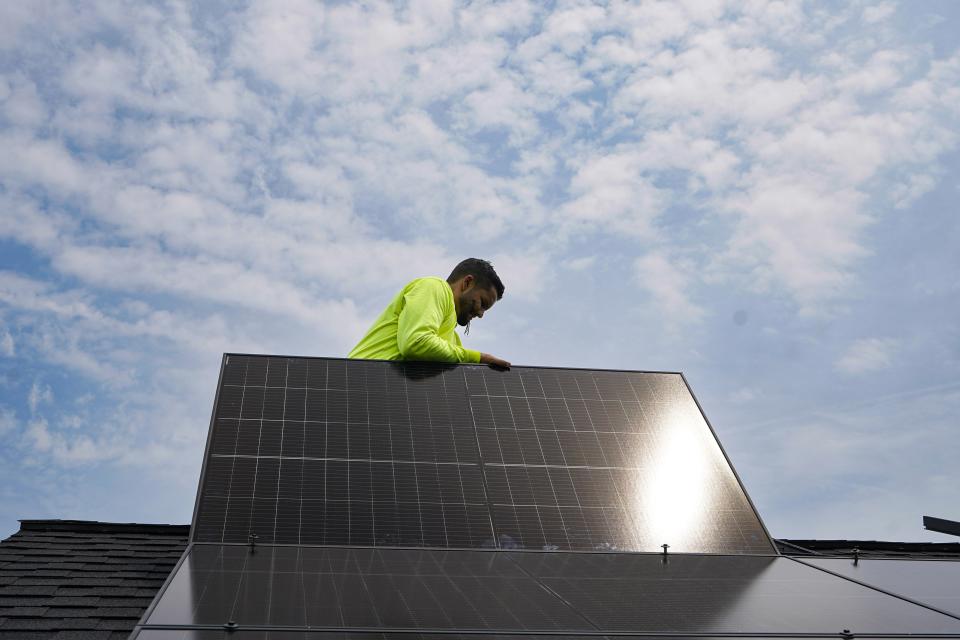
{"x":466,"y":283}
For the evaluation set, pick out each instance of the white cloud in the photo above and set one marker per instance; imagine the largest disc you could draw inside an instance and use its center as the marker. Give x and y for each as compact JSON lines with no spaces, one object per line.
{"x":879,"y":12}
{"x":610,"y":192}
{"x":744,"y":395}
{"x":8,"y":421}
{"x":524,"y":275}
{"x":867,"y":355}
{"x":7,"y":345}
{"x":669,"y":282}
{"x":580,"y":264}
{"x":38,"y":435}
{"x":40,"y":394}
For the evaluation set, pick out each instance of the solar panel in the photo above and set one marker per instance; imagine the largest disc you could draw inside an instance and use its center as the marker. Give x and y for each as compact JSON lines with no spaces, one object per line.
{"x":722,"y":594}
{"x":935,"y":583}
{"x":329,"y":451}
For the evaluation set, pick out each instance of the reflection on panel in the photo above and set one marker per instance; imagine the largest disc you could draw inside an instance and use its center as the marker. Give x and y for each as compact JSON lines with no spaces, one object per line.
{"x":605,"y":460}
{"x":315,"y":451}
{"x":932,"y":582}
{"x":359,"y":588}
{"x":722,"y":594}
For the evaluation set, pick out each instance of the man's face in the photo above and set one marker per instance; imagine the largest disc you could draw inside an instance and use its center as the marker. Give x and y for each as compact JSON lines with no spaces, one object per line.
{"x":473,"y":301}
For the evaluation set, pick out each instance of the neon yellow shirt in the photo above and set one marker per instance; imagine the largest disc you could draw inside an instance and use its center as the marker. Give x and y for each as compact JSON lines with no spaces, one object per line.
{"x":419,"y":324}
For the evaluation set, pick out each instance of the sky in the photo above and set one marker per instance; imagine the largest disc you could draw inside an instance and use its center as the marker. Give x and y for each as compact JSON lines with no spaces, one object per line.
{"x":760,"y":194}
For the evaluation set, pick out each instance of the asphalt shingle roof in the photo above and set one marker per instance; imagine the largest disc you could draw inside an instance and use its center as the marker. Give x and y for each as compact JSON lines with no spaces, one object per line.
{"x":81,"y":580}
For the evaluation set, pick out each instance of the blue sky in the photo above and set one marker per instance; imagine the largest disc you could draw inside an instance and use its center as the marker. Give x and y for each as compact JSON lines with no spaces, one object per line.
{"x":759,"y":194}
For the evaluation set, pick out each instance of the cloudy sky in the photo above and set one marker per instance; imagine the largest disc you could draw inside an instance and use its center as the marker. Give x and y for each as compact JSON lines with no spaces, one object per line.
{"x":759,"y":194}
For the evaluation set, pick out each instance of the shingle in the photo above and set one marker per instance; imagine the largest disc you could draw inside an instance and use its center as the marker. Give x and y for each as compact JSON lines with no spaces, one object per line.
{"x":83,"y":635}
{"x":90,"y":582}
{"x":120,"y":612}
{"x":22,"y":612}
{"x":116,"y":624}
{"x":110,"y":591}
{"x":78,"y":623}
{"x":31,"y":624}
{"x":142,"y":603}
{"x":17,"y":589}
{"x":77,"y":601}
{"x":19,"y":602}
{"x":38,"y":581}
{"x":48,"y":573}
{"x":73,"y":566}
{"x":70,"y":612}
{"x":77,"y":591}
{"x":24,"y":635}
{"x":155,"y":584}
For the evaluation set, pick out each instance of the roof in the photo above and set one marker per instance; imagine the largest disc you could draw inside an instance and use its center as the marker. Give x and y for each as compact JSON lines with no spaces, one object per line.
{"x":83,"y":580}
{"x":869,"y":548}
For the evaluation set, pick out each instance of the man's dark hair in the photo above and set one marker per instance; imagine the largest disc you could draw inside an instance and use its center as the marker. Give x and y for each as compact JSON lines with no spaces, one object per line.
{"x":482,"y":272}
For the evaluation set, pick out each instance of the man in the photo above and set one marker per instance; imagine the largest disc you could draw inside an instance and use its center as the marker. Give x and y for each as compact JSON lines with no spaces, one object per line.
{"x":420,"y":322}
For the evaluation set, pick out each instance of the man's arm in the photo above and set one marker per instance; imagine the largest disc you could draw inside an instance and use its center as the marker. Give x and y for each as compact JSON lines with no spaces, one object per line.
{"x":418,"y":327}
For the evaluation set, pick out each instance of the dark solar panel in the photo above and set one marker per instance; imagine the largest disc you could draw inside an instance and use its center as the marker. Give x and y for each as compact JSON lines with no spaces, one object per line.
{"x":932,"y":582}
{"x":324,"y":451}
{"x":359,"y":588}
{"x":722,"y":594}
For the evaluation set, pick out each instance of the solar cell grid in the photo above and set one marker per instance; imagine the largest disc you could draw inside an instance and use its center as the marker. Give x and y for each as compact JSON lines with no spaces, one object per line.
{"x":317,"y":451}
{"x":321,"y":463}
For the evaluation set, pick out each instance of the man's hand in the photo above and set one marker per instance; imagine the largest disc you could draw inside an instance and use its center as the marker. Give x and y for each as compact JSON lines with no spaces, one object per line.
{"x":493,"y":361}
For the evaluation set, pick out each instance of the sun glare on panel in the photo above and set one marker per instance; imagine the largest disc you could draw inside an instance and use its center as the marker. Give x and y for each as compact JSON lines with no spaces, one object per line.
{"x":674,"y":497}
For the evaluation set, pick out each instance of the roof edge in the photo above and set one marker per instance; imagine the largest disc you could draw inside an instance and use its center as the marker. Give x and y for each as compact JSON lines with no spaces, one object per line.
{"x":95,"y":526}
{"x":872,"y":547}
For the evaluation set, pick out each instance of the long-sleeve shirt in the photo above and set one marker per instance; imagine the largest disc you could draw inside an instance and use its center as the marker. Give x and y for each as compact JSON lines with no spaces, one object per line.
{"x":418,"y":324}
